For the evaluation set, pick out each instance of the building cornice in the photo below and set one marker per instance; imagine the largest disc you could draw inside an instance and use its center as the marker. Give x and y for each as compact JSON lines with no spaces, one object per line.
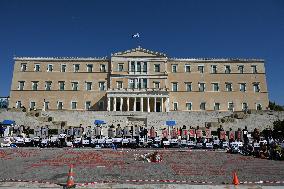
{"x":232,"y":60}
{"x":63,"y":58}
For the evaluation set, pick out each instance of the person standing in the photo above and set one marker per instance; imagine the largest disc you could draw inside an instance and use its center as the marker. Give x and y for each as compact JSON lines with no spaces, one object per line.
{"x":245,"y":135}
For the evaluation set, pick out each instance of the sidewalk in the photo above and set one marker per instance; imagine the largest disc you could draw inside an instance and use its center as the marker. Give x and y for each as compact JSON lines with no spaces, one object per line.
{"x":18,"y":185}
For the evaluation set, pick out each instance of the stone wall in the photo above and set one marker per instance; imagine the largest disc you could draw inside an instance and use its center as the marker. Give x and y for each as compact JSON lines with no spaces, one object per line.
{"x":54,"y":119}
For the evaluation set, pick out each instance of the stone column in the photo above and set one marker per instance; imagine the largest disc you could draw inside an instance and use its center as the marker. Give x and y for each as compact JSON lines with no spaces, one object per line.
{"x":108,"y":104}
{"x":121,"y":103}
{"x":127,"y":101}
{"x":168,"y":104}
{"x":162,"y":104}
{"x":134,"y":106}
{"x":141,"y":104}
{"x":155,"y":100}
{"x":114,"y":104}
{"x":148,"y":104}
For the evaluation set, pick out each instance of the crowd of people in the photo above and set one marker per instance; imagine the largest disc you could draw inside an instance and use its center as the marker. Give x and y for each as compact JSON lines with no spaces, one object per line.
{"x":259,"y":144}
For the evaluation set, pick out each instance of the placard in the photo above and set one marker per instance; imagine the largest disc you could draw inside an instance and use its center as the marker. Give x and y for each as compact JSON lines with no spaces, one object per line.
{"x":222,"y":135}
{"x":199,"y":133}
{"x":192,"y":133}
{"x":208,"y":133}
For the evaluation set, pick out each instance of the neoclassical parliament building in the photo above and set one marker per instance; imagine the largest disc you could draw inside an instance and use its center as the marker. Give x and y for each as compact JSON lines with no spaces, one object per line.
{"x":138,"y":80}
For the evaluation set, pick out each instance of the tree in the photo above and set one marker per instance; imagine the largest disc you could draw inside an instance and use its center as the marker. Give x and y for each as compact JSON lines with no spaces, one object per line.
{"x":275,"y":107}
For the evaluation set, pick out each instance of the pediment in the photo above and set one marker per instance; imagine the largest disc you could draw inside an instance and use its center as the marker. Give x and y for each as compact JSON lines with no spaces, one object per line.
{"x":139,"y":52}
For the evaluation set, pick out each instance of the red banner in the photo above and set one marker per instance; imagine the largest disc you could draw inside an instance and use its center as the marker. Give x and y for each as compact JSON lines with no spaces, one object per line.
{"x":239,"y":135}
{"x":152,"y":133}
{"x":174,"y":133}
{"x":199,"y":133}
{"x":208,"y":133}
{"x":232,"y":135}
{"x":192,"y":133}
{"x":222,"y":135}
{"x":165,"y":133}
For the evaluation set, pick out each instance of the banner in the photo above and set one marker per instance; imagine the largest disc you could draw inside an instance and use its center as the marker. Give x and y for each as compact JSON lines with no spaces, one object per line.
{"x":184,"y":133}
{"x":44,"y":132}
{"x":69,"y":132}
{"x":208,"y":133}
{"x":152,"y":133}
{"x":192,"y":133}
{"x":174,"y":133}
{"x":232,"y":135}
{"x":37,"y":132}
{"x":78,"y":131}
{"x":165,"y":133}
{"x":199,"y":133}
{"x":89,"y":132}
{"x":222,"y":135}
{"x":239,"y":135}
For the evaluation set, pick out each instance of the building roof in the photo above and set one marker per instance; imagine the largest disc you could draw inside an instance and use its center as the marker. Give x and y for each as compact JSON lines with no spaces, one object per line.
{"x":61,"y":58}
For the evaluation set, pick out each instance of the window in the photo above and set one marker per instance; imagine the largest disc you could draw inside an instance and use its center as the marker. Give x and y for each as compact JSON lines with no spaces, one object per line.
{"x":214,"y":69}
{"x":101,"y":86}
{"x":88,"y":86}
{"x":49,"y":67}
{"x":227,"y":69}
{"x":145,"y":67}
{"x":89,"y":67}
{"x":200,"y":69}
{"x":201,"y":87}
{"x":76,"y":67}
{"x":48,"y":85}
{"x":244,"y":106}
{"x":215,"y":87}
{"x":131,"y":83}
{"x":174,"y":87}
{"x":21,"y":85}
{"x":174,"y":68}
{"x":18,"y":104}
{"x":229,"y":87}
{"x":231,"y":106}
{"x":34,"y":85}
{"x":253,"y":68}
{"x":102,"y":68}
{"x":120,"y":67}
{"x":156,"y":84}
{"x":188,"y":106}
{"x":188,"y":87}
{"x":187,"y":68}
{"x":132,"y":66}
{"x":63,"y":68}
{"x":175,"y":106}
{"x":216,"y":106}
{"x":88,"y":105}
{"x":59,"y":105}
{"x":61,"y":85}
{"x":119,"y":84}
{"x":73,"y":105}
{"x":46,"y":105}
{"x":101,"y":105}
{"x":144,"y":84}
{"x":203,"y":106}
{"x":138,"y":68}
{"x":23,"y":67}
{"x":37,"y":68}
{"x":74,"y":86}
{"x":32,"y":105}
{"x":258,"y":107}
{"x":157,"y":68}
{"x":242,"y":87}
{"x":256,"y":88}
{"x":241,"y":69}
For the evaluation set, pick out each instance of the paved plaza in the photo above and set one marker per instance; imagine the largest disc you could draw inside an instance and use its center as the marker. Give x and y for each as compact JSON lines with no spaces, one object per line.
{"x":120,"y":167}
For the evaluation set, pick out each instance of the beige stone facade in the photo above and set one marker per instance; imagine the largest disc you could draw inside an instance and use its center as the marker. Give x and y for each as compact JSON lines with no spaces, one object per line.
{"x":139,"y":80}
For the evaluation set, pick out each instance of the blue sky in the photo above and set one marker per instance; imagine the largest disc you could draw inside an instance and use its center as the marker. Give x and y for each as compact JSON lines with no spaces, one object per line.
{"x":179,"y":28}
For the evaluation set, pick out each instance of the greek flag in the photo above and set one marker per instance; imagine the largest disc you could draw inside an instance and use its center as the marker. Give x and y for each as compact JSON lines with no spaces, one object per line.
{"x":135,"y":35}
